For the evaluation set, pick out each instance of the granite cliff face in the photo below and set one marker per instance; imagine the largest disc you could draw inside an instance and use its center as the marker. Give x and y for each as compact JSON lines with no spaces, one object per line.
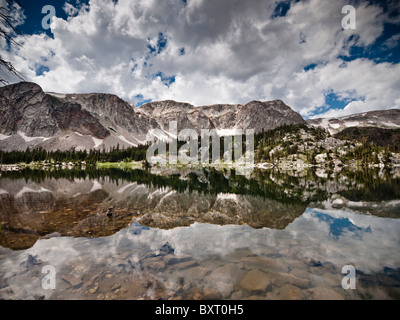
{"x":256,"y":115}
{"x":225,"y":118}
{"x":186,"y":115}
{"x":71,"y":116}
{"x":25,"y":108}
{"x":33,"y":118}
{"x":113,"y":112}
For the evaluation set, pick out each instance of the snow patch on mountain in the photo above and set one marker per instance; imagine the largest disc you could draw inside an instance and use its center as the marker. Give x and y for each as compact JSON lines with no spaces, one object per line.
{"x":29,"y":139}
{"x":4,"y":137}
{"x":127,"y":141}
{"x":97,"y":142}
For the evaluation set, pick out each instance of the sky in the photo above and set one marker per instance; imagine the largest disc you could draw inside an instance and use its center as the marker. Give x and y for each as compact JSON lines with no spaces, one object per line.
{"x":207,"y":52}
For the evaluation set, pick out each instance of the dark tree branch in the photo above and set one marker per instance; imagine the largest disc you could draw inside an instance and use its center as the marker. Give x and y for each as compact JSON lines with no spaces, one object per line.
{"x":8,"y":31}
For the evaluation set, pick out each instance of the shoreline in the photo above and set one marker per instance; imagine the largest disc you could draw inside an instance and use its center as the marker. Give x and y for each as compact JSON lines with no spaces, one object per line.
{"x":284,"y":165}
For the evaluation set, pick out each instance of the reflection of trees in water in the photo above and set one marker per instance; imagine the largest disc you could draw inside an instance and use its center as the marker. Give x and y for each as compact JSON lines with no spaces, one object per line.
{"x":282,"y":186}
{"x":372,"y":185}
{"x":266,"y":199}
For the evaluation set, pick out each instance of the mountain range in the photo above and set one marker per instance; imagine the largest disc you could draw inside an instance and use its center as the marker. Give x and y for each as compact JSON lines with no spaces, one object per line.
{"x":30,"y":117}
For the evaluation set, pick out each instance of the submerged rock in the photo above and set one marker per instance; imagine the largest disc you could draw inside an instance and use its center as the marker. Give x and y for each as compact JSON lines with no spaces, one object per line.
{"x":255,"y":281}
{"x":320,"y":293}
{"x":287,"y":292}
{"x":284,"y":278}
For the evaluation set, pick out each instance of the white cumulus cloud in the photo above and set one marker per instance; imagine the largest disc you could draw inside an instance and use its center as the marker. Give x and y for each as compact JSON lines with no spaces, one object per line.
{"x":203,"y":52}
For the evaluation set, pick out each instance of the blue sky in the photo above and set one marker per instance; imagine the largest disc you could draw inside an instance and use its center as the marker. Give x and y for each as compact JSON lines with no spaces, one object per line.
{"x":206,"y":52}
{"x":34,"y":16}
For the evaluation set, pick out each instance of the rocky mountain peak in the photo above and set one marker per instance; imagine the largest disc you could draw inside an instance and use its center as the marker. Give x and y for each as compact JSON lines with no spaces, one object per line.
{"x":24,"y":107}
{"x":30,"y":117}
{"x":389,"y":119}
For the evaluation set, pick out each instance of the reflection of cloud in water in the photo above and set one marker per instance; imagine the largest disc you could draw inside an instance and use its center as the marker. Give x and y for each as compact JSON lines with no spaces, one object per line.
{"x":337,"y":226}
{"x":371,"y":244}
{"x":375,"y":246}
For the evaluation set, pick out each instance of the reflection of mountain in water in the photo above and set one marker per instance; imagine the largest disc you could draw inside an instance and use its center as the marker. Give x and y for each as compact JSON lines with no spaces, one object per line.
{"x":36,"y":203}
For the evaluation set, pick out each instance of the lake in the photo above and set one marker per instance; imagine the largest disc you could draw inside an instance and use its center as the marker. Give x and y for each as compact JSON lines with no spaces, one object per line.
{"x":166,"y":233}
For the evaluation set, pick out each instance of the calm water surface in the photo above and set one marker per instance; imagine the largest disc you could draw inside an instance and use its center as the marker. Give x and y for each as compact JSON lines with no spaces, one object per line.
{"x":202,"y":234}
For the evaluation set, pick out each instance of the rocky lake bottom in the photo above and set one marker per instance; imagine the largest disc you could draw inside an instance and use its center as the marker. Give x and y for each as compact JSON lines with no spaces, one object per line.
{"x":148,"y":235}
